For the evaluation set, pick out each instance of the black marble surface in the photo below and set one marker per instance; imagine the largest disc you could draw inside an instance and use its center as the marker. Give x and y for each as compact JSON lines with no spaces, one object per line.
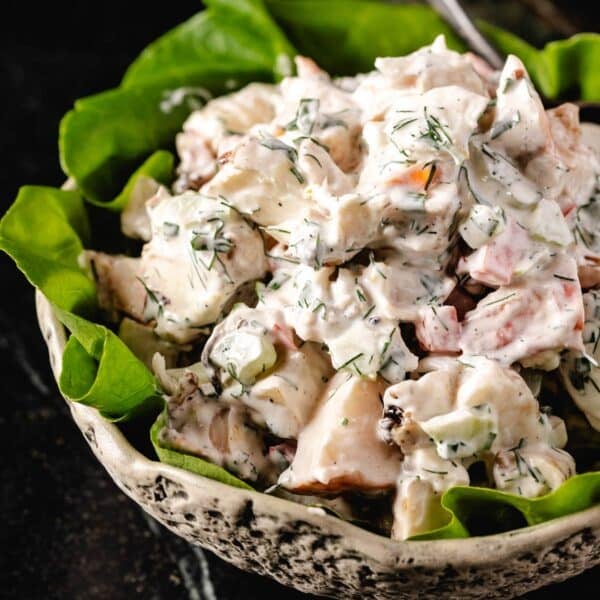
{"x":66,"y":531}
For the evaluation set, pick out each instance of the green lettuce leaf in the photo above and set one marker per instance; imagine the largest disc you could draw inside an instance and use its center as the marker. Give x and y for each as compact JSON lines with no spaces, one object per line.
{"x":101,"y":371}
{"x":159,"y":166}
{"x":482,"y":511}
{"x":42,"y":232}
{"x":346,"y":36}
{"x":191,"y":463}
{"x":105,"y":137}
{"x":231,"y":35}
{"x":558,"y":68}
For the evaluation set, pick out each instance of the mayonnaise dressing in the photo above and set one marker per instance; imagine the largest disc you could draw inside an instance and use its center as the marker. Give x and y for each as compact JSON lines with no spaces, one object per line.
{"x":420,"y":234}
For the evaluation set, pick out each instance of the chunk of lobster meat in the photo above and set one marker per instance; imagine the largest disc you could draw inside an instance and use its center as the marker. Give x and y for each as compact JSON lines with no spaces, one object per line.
{"x":496,"y":262}
{"x":339,"y":448}
{"x":422,"y":241}
{"x":188,"y":271}
{"x":528,"y":318}
{"x":400,"y":289}
{"x":438,"y":329}
{"x":521,"y":125}
{"x":459,"y":413}
{"x":330,"y":306}
{"x":580,"y":372}
{"x":427,"y":128}
{"x":260,"y":365}
{"x":430,"y":67}
{"x":202,"y":251}
{"x":220,"y":433}
{"x":333,"y":231}
{"x":286,"y":396}
{"x":217,"y":128}
{"x":316,"y":107}
{"x":566,"y":167}
{"x":532,"y":470}
{"x":261,"y":180}
{"x":465,"y":407}
{"x":119,"y":288}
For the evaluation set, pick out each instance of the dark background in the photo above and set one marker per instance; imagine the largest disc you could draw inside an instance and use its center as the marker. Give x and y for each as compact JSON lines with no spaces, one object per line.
{"x":66,"y":531}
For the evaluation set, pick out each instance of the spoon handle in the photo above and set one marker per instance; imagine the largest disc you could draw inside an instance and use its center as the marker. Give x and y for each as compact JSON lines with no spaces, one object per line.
{"x":452,"y":11}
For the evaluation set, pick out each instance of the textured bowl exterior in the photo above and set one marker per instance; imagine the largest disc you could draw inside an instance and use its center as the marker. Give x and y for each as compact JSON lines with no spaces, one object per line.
{"x":313,"y":552}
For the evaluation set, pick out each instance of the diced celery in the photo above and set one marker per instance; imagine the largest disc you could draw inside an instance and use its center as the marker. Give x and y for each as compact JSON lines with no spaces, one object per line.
{"x":244,"y":355}
{"x":548,"y":223}
{"x":483,"y":223}
{"x":462,"y":432}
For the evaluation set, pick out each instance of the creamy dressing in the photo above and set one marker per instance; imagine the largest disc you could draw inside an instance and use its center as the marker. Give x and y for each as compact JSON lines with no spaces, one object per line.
{"x":460,"y":413}
{"x":533,"y":316}
{"x":581,"y":372}
{"x":421,"y":233}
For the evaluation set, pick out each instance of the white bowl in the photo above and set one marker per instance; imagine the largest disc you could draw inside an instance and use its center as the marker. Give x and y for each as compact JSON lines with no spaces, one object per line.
{"x":321,"y":554}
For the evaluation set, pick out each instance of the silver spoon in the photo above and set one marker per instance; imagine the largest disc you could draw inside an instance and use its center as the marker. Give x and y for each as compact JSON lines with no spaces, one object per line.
{"x":452,"y":11}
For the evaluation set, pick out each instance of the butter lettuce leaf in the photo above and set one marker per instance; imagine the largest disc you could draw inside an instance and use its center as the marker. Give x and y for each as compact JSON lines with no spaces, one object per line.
{"x":231,"y":36}
{"x":189,"y":462}
{"x":159,"y":166}
{"x":346,"y":36}
{"x":42,"y":232}
{"x":101,"y":371}
{"x":482,"y":511}
{"x":107,"y":136}
{"x":562,"y":66}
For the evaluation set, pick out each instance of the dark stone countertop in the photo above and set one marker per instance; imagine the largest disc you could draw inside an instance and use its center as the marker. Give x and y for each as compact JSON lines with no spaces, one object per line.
{"x":67,"y":531}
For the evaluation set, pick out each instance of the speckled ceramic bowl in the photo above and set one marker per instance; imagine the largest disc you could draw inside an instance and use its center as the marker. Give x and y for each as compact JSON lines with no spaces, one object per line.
{"x":317,"y":553}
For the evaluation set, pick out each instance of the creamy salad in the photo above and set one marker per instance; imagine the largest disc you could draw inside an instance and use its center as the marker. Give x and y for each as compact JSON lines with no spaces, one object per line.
{"x":356,"y":285}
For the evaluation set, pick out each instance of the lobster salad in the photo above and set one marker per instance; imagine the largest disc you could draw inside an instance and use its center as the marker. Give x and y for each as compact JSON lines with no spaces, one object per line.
{"x":358,"y":287}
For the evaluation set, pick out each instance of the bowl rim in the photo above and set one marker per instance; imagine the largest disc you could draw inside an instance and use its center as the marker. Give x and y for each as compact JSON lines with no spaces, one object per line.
{"x":473,"y":551}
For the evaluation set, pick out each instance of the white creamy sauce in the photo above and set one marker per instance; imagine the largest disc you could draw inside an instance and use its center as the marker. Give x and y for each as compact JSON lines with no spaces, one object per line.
{"x":581,"y":372}
{"x":416,"y":235}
